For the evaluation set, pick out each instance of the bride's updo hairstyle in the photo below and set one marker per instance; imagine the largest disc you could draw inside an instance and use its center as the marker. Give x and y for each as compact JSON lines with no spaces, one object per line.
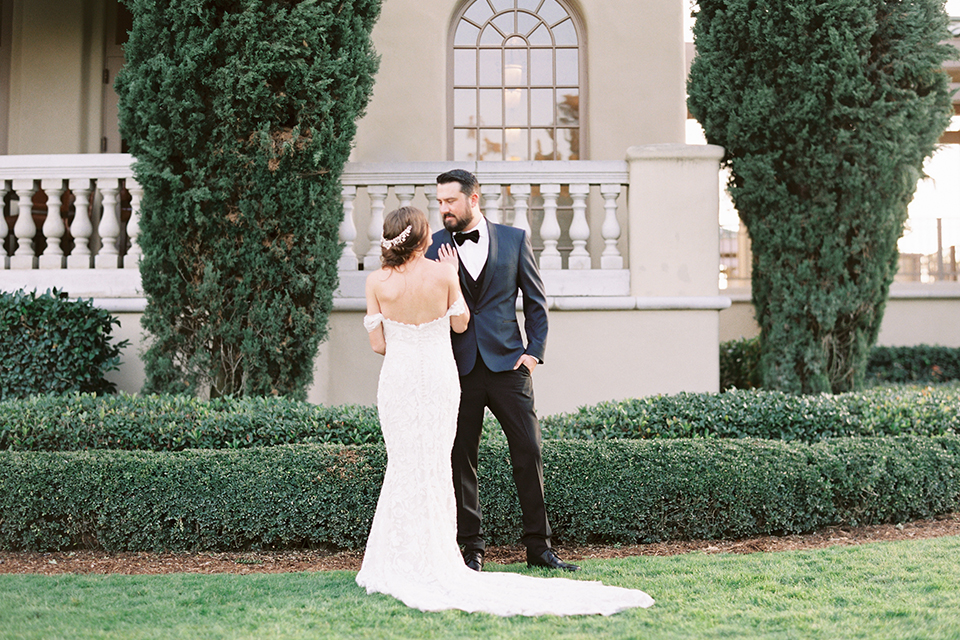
{"x":405,"y":230}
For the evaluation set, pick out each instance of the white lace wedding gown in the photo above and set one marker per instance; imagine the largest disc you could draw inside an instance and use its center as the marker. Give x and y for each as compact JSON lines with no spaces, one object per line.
{"x":412,"y":552}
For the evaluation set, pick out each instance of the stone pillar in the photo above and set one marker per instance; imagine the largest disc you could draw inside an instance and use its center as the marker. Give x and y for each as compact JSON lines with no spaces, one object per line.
{"x":674,"y":220}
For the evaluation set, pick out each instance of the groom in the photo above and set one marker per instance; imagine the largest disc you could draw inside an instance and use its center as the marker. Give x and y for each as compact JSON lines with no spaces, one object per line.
{"x":495,"y":262}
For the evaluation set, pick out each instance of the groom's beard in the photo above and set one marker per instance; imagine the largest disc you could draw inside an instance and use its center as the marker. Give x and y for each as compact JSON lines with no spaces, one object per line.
{"x":453,"y":224}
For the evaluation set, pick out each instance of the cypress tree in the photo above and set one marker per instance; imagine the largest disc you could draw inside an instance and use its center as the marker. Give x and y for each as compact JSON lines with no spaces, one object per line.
{"x":827,"y":110}
{"x":241,"y":115}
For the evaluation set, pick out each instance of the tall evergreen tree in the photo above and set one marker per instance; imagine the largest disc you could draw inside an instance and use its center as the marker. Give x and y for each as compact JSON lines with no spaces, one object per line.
{"x":827,"y":110}
{"x":241,"y":115}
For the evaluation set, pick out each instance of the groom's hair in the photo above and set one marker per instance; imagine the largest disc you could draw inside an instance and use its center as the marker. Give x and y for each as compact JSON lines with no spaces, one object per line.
{"x":468,"y":181}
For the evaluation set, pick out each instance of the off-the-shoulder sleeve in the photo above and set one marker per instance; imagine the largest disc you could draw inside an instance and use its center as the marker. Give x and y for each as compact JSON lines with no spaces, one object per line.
{"x":372,"y":322}
{"x":458,"y":308}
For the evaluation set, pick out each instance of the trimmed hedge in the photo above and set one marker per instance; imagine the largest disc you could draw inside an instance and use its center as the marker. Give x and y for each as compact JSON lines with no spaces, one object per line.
{"x":922,"y":363}
{"x":766,"y":414}
{"x":174,"y":423}
{"x":614,"y":492}
{"x":740,"y":364}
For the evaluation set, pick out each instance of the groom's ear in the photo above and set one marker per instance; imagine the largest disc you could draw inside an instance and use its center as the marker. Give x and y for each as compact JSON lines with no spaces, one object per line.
{"x":474,"y":199}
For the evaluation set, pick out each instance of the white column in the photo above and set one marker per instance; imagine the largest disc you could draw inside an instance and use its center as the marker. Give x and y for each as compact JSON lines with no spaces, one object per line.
{"x":521,"y":205}
{"x":490,"y":194}
{"x":24,"y":229}
{"x":3,"y":225}
{"x":378,"y":194}
{"x":53,"y":226}
{"x":109,"y":256}
{"x":579,"y":228}
{"x":433,"y":207}
{"x":611,"y":258}
{"x":348,"y":231}
{"x":550,"y":231}
{"x":81,"y":229}
{"x":132,"y":259}
{"x":405,"y":193}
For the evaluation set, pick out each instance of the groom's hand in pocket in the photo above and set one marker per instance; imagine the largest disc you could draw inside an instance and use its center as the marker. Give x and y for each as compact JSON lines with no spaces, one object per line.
{"x":528,"y":361}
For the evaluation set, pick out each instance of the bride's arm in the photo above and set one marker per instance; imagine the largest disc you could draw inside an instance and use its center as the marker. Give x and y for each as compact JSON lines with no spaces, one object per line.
{"x":377,"y":342}
{"x":458,"y":322}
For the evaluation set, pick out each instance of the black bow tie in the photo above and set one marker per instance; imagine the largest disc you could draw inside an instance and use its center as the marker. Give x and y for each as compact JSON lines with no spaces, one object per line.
{"x":460,"y":238}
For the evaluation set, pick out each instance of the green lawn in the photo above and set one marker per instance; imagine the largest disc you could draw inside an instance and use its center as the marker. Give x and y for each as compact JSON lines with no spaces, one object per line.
{"x":883,"y":590}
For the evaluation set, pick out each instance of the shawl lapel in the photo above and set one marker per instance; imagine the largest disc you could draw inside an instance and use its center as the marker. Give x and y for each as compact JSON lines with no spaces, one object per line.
{"x":491,"y":258}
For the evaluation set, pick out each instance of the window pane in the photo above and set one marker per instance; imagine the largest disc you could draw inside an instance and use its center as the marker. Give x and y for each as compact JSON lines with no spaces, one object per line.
{"x":526,"y":22}
{"x":502,"y":5}
{"x":465,"y":67}
{"x":542,"y":144}
{"x":515,"y":41}
{"x":541,"y":36}
{"x":479,"y":12}
{"x":491,"y":36}
{"x":568,"y":65}
{"x":491,"y":144}
{"x":465,"y":108}
{"x":490,"y":108}
{"x":541,"y":67}
{"x":504,"y":22}
{"x":490,"y":67}
{"x":552,"y":12}
{"x":466,"y":34}
{"x":568,"y":107}
{"x":568,"y":144}
{"x":541,"y":107}
{"x":515,"y":102}
{"x":565,"y":34}
{"x":529,"y":5}
{"x":464,"y":144}
{"x":515,"y":68}
{"x":516,"y":145}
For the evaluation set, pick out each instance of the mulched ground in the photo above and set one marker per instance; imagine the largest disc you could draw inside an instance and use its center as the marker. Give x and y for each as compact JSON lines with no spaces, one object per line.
{"x":100,"y":562}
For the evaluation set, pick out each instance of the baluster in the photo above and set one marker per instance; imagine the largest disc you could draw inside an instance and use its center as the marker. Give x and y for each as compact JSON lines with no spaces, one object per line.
{"x":405,"y":193}
{"x":377,"y":193}
{"x":579,"y":229}
{"x":491,"y":201}
{"x":521,"y":203}
{"x":24,"y":229}
{"x":81,"y":229}
{"x":132,"y":259}
{"x":4,"y":229}
{"x":550,"y":230}
{"x":433,"y":207}
{"x":53,"y":226}
{"x":109,"y":230}
{"x":348,"y":231}
{"x":611,"y":258}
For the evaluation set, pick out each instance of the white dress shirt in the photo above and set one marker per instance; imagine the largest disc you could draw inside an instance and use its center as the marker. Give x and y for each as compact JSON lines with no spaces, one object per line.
{"x":473,"y":255}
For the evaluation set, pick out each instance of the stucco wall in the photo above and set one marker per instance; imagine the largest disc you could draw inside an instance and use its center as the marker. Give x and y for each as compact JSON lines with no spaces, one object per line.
{"x":634,"y":80}
{"x":915,"y":314}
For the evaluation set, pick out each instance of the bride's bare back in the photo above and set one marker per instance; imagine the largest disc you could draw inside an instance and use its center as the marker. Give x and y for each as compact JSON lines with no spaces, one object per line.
{"x":415,"y":292}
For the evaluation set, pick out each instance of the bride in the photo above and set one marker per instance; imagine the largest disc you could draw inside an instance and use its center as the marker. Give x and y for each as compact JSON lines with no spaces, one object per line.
{"x":412,"y":305}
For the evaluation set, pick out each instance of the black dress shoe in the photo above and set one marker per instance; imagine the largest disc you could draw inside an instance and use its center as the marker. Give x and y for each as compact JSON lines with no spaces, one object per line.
{"x":550,"y":560}
{"x":474,"y":560}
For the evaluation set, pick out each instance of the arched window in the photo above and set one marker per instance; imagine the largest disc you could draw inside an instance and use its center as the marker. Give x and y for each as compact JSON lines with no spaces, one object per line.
{"x":516,"y":82}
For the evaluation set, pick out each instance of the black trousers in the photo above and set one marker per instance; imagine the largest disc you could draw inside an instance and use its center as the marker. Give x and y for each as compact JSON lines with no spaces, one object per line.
{"x":509,"y":394}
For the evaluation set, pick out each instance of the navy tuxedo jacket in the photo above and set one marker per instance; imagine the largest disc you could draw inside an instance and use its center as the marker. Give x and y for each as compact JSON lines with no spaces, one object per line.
{"x":494,"y":330}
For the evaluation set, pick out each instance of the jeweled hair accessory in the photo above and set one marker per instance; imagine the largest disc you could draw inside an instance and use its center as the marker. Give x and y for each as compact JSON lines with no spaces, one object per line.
{"x":393,"y":242}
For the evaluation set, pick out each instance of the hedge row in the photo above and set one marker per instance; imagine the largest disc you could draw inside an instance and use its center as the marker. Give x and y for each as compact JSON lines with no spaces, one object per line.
{"x":175,"y":423}
{"x":740,"y":364}
{"x":923,"y":363}
{"x":766,"y":414}
{"x":613,"y":492}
